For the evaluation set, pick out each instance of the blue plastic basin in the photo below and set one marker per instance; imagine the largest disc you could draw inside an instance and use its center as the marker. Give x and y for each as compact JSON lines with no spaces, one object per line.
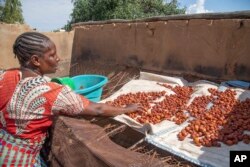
{"x":90,"y":86}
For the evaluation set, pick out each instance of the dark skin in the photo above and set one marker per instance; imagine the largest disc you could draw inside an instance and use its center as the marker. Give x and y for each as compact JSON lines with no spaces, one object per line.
{"x":48,"y":63}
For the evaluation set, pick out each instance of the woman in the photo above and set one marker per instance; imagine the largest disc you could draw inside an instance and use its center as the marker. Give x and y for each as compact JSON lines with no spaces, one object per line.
{"x":29,"y":101}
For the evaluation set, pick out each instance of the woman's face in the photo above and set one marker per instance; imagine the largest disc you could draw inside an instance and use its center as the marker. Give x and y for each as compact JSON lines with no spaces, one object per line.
{"x":49,"y":61}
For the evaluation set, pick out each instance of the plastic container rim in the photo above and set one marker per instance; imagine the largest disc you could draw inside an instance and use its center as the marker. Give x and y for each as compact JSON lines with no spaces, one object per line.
{"x":89,"y":89}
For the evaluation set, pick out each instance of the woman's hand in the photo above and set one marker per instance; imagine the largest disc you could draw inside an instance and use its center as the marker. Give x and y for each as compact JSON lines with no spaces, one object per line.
{"x":108,"y":110}
{"x":134,"y":107}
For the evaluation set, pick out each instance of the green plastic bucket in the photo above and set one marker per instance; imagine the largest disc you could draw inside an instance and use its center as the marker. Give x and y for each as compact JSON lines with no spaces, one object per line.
{"x":64,"y":81}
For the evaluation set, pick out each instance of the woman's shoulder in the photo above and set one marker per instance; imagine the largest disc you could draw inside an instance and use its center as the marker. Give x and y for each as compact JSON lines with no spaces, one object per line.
{"x":9,"y":72}
{"x":10,"y":69}
{"x":40,"y":81}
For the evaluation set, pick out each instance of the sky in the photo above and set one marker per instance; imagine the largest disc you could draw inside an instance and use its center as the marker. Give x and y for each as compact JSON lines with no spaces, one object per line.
{"x":46,"y":15}
{"x":49,"y":15}
{"x":212,"y":6}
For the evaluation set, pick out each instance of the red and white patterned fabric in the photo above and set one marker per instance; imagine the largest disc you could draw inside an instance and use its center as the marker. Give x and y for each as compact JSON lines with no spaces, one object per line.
{"x":28,"y":105}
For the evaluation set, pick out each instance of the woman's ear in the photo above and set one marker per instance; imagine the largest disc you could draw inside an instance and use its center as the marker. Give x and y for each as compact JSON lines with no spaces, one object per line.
{"x":35,"y":60}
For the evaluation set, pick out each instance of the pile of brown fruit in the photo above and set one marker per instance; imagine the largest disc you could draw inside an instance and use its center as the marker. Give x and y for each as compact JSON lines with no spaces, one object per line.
{"x":225,"y":121}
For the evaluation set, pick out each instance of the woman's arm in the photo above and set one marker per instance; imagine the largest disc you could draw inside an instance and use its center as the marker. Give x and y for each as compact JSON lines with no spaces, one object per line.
{"x":67,"y":102}
{"x":103,"y":109}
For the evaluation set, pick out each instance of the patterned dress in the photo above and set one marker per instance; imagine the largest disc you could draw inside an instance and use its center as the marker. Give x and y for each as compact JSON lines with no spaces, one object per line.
{"x":26,"y":110}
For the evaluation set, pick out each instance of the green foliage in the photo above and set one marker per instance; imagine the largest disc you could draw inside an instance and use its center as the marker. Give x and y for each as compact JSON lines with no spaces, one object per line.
{"x":93,"y":10}
{"x":1,"y":11}
{"x":1,"y":8}
{"x":11,"y":12}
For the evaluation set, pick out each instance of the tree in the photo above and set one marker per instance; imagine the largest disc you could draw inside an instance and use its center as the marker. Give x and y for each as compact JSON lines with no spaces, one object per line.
{"x":87,"y":10}
{"x":11,"y":11}
{"x":161,"y":8}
